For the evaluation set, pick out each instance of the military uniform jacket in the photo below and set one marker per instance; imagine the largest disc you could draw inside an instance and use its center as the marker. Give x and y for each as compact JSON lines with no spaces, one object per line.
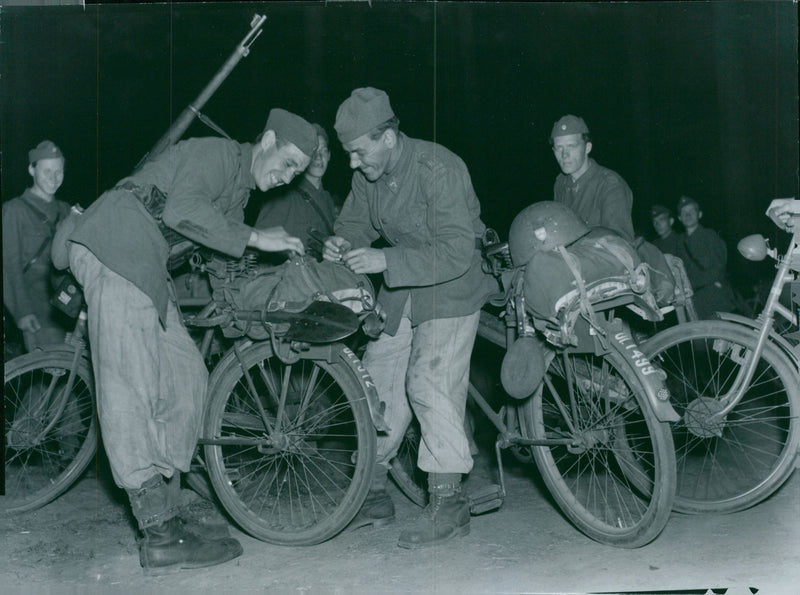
{"x":670,"y":244}
{"x":299,"y":208}
{"x":428,"y":213}
{"x":28,"y":226}
{"x":705,"y":256}
{"x":600,"y":197}
{"x":207,"y":183}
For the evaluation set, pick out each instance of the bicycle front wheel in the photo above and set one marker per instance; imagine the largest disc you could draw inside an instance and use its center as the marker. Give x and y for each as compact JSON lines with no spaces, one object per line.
{"x":290,"y":447}
{"x":50,"y":436}
{"x":726,"y":464}
{"x":614,"y":474}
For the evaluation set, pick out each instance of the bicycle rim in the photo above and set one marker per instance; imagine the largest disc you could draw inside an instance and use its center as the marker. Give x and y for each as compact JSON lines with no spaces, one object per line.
{"x":45,"y":456}
{"x":731,"y":463}
{"x":615,"y":480}
{"x":299,"y":445}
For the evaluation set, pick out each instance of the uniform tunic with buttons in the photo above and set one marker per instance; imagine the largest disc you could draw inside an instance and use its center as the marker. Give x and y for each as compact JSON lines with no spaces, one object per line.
{"x":426,"y":210}
{"x":28,"y":225}
{"x":149,"y":374}
{"x":600,"y":197}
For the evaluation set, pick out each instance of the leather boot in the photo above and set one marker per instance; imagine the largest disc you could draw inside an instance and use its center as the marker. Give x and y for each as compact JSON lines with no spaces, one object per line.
{"x":445,"y":517}
{"x":168,"y":546}
{"x":377,"y":510}
{"x":197,"y":515}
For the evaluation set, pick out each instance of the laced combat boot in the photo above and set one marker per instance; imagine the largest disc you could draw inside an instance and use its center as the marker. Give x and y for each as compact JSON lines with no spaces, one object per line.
{"x":378,"y":508}
{"x":445,"y":517}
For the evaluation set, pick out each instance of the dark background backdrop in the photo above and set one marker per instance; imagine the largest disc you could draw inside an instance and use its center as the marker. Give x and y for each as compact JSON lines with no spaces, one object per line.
{"x":698,"y":98}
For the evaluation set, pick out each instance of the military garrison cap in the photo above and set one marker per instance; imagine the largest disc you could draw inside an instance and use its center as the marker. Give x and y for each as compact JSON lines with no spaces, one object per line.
{"x":569,"y":124}
{"x":294,"y":129}
{"x":686,"y":200}
{"x":365,"y":109}
{"x":44,"y":150}
{"x":657,"y":210}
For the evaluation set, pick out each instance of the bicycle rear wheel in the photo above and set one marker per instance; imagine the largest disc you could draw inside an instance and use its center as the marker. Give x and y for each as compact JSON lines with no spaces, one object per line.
{"x":728,"y":464}
{"x":293,"y":446}
{"x":50,"y":437}
{"x":615,"y":479}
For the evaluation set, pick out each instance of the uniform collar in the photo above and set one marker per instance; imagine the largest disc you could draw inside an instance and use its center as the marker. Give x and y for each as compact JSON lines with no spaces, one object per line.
{"x":247,"y":162}
{"x":391,"y":178}
{"x":586,"y":175}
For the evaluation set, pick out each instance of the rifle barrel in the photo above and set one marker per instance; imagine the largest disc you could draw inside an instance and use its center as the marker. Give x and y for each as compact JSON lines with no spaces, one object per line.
{"x":188,"y":115}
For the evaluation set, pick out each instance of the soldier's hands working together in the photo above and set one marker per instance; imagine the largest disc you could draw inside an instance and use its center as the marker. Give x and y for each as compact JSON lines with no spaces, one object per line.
{"x":360,"y":260}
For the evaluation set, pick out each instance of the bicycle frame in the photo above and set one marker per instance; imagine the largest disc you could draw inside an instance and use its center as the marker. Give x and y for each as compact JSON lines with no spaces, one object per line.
{"x":764,"y":324}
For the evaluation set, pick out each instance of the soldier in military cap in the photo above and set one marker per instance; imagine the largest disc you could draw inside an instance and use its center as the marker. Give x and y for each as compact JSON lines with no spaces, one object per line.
{"x":705,"y":257}
{"x":29,"y":223}
{"x":667,"y":239}
{"x":418,"y":197}
{"x":599,"y":195}
{"x":149,"y":375}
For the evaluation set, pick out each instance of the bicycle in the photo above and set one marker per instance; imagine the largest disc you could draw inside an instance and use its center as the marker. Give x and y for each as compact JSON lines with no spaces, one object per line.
{"x":597,"y":425}
{"x":288,"y":436}
{"x":734,"y":382}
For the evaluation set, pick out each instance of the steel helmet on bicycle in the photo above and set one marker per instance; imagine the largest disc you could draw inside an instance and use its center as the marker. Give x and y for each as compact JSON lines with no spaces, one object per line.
{"x":543,"y":226}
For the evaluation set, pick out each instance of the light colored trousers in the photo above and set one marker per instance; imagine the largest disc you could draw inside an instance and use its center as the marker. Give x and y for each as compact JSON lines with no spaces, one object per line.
{"x":425,"y":368}
{"x":150,"y":380}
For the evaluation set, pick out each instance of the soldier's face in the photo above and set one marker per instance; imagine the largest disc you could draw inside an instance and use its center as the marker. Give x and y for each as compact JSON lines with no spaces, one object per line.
{"x":662,"y":224}
{"x":47,"y":174}
{"x":690,"y":216}
{"x":369,"y":156}
{"x":273,"y":166}
{"x":322,"y":156}
{"x":571,"y":152}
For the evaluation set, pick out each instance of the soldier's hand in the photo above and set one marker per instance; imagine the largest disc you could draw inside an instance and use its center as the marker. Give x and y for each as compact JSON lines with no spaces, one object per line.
{"x":366,"y":260}
{"x":29,"y":324}
{"x":335,"y":248}
{"x":781,"y":210}
{"x":275,"y":239}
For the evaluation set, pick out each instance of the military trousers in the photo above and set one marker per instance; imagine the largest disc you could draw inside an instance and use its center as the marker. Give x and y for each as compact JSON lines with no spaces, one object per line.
{"x":150,"y":379}
{"x":425,"y":369}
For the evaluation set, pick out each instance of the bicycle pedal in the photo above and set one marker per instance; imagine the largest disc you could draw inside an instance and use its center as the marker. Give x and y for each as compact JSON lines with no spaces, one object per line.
{"x":486,"y":499}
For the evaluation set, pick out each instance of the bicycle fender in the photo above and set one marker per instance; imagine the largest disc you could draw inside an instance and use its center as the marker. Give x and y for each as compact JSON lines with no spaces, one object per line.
{"x":782,"y":343}
{"x":651,"y":376}
{"x":375,"y":405}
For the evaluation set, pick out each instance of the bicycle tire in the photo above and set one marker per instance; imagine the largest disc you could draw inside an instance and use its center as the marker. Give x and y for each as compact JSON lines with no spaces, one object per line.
{"x":616,"y":481}
{"x":299,"y":481}
{"x":410,"y":479}
{"x":732,"y":465}
{"x":43,"y":459}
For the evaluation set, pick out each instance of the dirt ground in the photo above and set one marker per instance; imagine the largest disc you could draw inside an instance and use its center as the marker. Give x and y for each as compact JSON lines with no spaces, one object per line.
{"x":84,"y":542}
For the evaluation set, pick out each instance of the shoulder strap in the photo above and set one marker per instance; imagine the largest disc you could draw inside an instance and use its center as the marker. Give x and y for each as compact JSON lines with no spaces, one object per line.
{"x":43,"y":218}
{"x":323,"y":216}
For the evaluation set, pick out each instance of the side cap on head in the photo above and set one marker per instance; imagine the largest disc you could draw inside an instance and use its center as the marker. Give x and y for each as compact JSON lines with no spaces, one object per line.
{"x":44,"y":150}
{"x":657,"y":210}
{"x":686,"y":200}
{"x":294,"y":129}
{"x":569,"y":124}
{"x":365,"y":109}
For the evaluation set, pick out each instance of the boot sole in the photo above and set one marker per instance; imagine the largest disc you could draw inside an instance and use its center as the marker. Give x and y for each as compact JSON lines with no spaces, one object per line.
{"x":376,"y":524}
{"x":462,"y":531}
{"x":177,"y":567}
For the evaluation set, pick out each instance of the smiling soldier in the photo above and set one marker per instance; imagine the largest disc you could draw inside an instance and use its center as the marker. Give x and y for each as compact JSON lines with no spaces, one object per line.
{"x":149,"y":374}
